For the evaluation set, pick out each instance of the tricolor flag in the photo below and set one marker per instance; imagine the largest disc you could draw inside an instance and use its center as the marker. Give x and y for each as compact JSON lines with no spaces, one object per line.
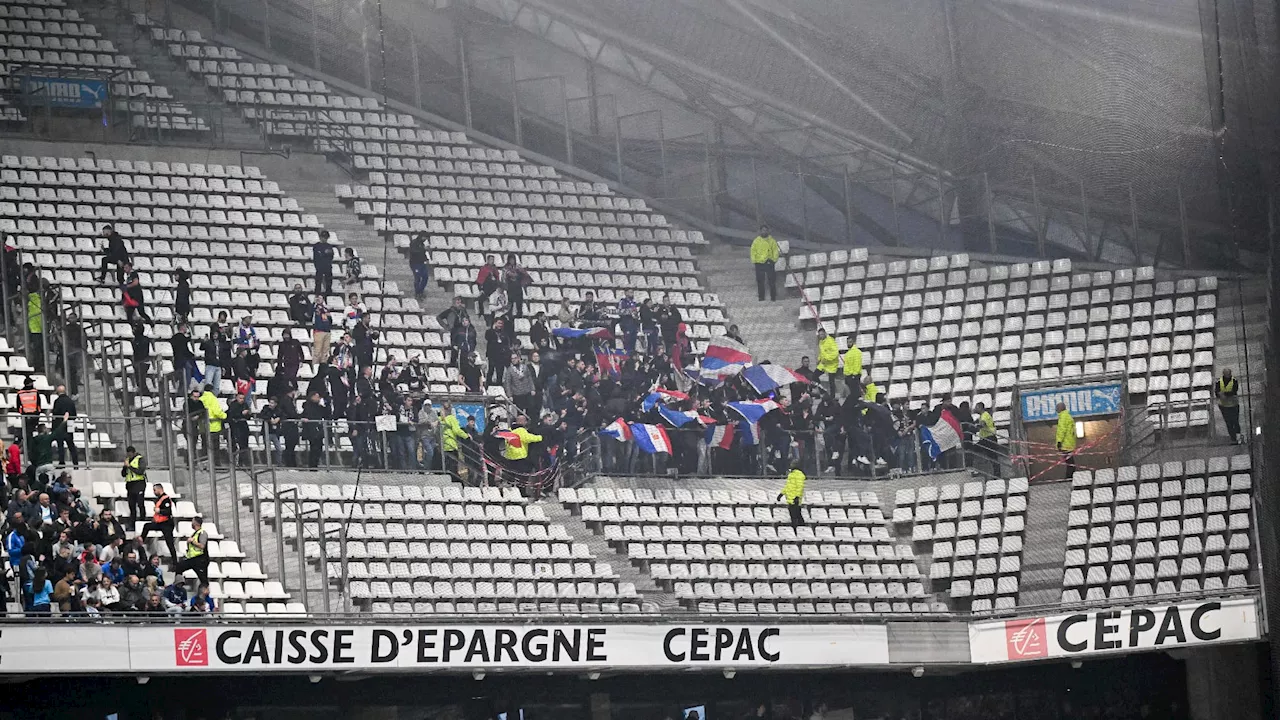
{"x":678,"y":418}
{"x":767,"y":378}
{"x":618,"y":430}
{"x":651,"y":438}
{"x":670,"y":395}
{"x":610,"y":360}
{"x":942,"y":436}
{"x":513,"y":440}
{"x":750,"y":433}
{"x":753,"y":410}
{"x":595,"y":333}
{"x":720,"y":436}
{"x":724,"y":358}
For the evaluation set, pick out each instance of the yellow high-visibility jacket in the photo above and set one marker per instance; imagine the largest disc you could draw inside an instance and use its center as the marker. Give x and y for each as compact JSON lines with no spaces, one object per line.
{"x":828,"y":355}
{"x":451,"y":432}
{"x":520,"y":451}
{"x":853,"y":361}
{"x":214,"y":409}
{"x":794,"y":489}
{"x":764,"y":249}
{"x":986,"y":426}
{"x":1066,"y":436}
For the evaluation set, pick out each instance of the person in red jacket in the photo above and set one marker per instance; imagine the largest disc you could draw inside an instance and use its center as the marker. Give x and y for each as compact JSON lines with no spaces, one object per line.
{"x":13,"y":462}
{"x":489,"y":278}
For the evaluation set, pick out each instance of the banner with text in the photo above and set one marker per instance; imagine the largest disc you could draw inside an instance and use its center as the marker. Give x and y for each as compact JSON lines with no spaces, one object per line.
{"x":28,"y":649}
{"x":1081,"y":401}
{"x":64,"y":92}
{"x":1111,"y":631}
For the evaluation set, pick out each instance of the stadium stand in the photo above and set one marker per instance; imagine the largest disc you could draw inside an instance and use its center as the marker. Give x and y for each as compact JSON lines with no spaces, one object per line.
{"x":437,"y":547}
{"x":1160,"y":529}
{"x":47,"y":36}
{"x":941,"y":324}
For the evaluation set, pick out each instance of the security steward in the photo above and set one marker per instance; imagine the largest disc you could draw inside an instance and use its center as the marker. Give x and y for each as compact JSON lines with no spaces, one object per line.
{"x":516,"y":452}
{"x":1227,"y":391}
{"x":1065,"y":436}
{"x":853,"y":369}
{"x":793,"y":491}
{"x":134,"y":473}
{"x":197,"y":555}
{"x":29,"y":408}
{"x":162,"y":520}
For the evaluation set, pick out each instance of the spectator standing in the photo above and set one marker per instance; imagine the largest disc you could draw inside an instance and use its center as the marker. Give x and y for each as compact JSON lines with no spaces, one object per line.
{"x":289,"y":358}
{"x":133,"y":297}
{"x":115,"y":253}
{"x":496,"y":306}
{"x":462,"y":341}
{"x":853,"y":369}
{"x":29,"y":406}
{"x":322,"y":258}
{"x":404,"y":446}
{"x":141,"y":358}
{"x":518,"y":382}
{"x":351,"y":268}
{"x":428,"y":429}
{"x":988,"y":444}
{"x":246,"y":337}
{"x":321,"y":331}
{"x":243,"y":370}
{"x":238,"y":413}
{"x":453,"y":315}
{"x":450,"y":433}
{"x":793,"y":491}
{"x":540,"y":332}
{"x":212,"y":359}
{"x":162,"y":520}
{"x":35,"y":326}
{"x":629,"y":320}
{"x":315,"y":415}
{"x":516,"y":280}
{"x":214,"y":415}
{"x":649,"y":326}
{"x":1065,"y":438}
{"x":184,"y":360}
{"x":418,"y":264}
{"x":472,"y":373}
{"x":270,"y":418}
{"x":64,"y":411}
{"x":515,"y":449}
{"x":1227,"y":390}
{"x":764,"y":255}
{"x":828,"y":358}
{"x":300,"y":306}
{"x":669,"y":319}
{"x":182,"y":295}
{"x":488,"y":278}
{"x":497,"y":351}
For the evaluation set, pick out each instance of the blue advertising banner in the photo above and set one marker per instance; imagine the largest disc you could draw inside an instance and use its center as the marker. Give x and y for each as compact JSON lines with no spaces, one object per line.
{"x":1081,"y":401}
{"x":464,"y":410}
{"x":65,"y":92}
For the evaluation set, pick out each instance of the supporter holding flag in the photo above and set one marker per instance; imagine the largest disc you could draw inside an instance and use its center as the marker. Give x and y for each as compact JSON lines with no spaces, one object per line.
{"x":767,"y":377}
{"x":651,"y":439}
{"x":941,"y":433}
{"x":723,"y":359}
{"x":828,"y":358}
{"x":764,"y":255}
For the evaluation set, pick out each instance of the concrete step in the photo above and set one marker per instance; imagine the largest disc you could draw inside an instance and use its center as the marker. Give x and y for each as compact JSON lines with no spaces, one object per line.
{"x":652,"y":597}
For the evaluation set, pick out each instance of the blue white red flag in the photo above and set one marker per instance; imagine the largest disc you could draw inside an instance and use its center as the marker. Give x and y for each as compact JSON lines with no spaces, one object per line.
{"x":720,"y":436}
{"x":767,"y":378}
{"x":678,"y":418}
{"x":749,"y":432}
{"x":595,"y":333}
{"x":753,"y":410}
{"x":610,"y":360}
{"x":618,"y":430}
{"x":651,"y":438}
{"x":724,"y":358}
{"x":942,"y":436}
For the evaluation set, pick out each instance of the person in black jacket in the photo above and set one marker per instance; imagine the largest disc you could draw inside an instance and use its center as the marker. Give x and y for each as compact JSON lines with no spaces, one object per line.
{"x":322,"y":258}
{"x":114,"y":254}
{"x":289,"y":421}
{"x":314,"y":415}
{"x":184,"y":361}
{"x":497,"y":351}
{"x":64,"y":410}
{"x":301,"y":309}
{"x":182,"y":295}
{"x":141,"y":357}
{"x":289,"y":358}
{"x":238,"y":413}
{"x":271,"y":418}
{"x":669,"y":319}
{"x":418,"y":263}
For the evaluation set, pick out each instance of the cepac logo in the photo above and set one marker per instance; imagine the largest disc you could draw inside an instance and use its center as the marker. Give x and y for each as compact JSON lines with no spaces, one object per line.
{"x":190,"y":647}
{"x":1026,"y":638}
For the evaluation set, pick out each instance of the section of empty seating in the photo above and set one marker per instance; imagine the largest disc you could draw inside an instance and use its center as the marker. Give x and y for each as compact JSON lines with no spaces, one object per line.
{"x":442,"y":548}
{"x":937,"y":325}
{"x":1160,"y":529}
{"x":47,"y":34}
{"x":238,"y":584}
{"x":974,"y":533}
{"x":735,"y":550}
{"x":245,"y":244}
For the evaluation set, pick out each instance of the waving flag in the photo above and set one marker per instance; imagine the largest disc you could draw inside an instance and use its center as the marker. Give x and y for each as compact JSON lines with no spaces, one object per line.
{"x":618,"y":430}
{"x":513,"y":440}
{"x":671,"y":395}
{"x":767,"y":378}
{"x":749,"y":432}
{"x":678,"y":418}
{"x":942,"y":436}
{"x":651,"y":438}
{"x":753,"y":410}
{"x":724,"y":358}
{"x":595,"y":333}
{"x":720,"y":436}
{"x":610,"y":360}
{"x":694,"y":373}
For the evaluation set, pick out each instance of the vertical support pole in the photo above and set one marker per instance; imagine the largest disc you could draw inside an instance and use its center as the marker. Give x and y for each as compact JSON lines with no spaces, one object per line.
{"x":709,"y":180}
{"x":942,"y":213}
{"x":417,"y":70}
{"x":464,"y":68}
{"x":1039,"y":215}
{"x":804,"y":203}
{"x":346,"y":586}
{"x":1133,"y":232}
{"x":1084,"y":209}
{"x":568,"y":131}
{"x":266,"y":21}
{"x":302,"y":550}
{"x":315,"y":36}
{"x":4,"y":287}
{"x":515,"y":103}
{"x":991,"y":221}
{"x":893,"y":200}
{"x":755,"y":188}
{"x":275,"y":496}
{"x":1182,"y":228}
{"x":662,"y":157}
{"x":617,"y":143}
{"x":257,"y":512}
{"x":848,"y":203}
{"x":45,"y":367}
{"x":593,"y":111}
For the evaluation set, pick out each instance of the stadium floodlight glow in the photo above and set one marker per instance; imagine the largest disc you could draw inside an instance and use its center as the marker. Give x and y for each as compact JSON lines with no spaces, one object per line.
{"x":730,"y":673}
{"x":917,"y":671}
{"x":478,"y":674}
{"x":313,"y":678}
